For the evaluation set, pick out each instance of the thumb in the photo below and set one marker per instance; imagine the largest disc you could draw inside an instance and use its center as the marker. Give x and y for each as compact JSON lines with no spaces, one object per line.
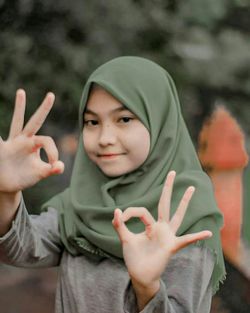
{"x":188,"y":239}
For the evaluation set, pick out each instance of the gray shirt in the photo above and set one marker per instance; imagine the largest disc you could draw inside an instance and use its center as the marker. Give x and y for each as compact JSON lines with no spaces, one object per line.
{"x":89,"y":286}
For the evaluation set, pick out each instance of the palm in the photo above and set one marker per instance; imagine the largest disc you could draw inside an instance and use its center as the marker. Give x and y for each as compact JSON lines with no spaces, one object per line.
{"x":147,"y":254}
{"x":20,"y":162}
{"x":142,"y":254}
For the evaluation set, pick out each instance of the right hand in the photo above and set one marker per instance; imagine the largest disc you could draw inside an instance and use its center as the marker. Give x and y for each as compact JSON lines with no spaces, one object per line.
{"x":20,"y":163}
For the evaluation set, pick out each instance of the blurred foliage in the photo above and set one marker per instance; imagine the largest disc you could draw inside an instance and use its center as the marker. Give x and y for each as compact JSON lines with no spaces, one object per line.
{"x":54,"y":45}
{"x":48,"y":45}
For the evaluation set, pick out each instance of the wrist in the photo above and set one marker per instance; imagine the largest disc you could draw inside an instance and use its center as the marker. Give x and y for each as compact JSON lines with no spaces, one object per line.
{"x":10,"y":199}
{"x":145,"y":292}
{"x":149,"y":287}
{"x":8,"y":207}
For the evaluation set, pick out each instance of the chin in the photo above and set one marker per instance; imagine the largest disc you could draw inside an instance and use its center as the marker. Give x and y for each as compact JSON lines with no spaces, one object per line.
{"x":114,"y":173}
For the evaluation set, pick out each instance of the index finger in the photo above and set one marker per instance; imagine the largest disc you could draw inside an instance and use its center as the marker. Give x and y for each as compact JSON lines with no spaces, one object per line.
{"x":18,"y":115}
{"x":165,"y":199}
{"x":37,"y":119}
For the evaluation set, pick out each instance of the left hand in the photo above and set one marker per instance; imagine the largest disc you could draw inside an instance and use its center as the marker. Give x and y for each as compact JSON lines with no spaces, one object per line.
{"x":147,"y":254}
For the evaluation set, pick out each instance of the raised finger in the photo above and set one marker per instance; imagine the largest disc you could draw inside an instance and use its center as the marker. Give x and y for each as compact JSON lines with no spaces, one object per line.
{"x":181,"y":210}
{"x":37,"y":119}
{"x":165,"y":199}
{"x":123,"y":232}
{"x":48,"y":144}
{"x":188,"y":239}
{"x":18,"y":115}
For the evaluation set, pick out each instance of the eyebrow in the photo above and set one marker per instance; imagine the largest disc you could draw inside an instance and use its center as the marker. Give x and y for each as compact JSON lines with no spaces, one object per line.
{"x":119,"y":109}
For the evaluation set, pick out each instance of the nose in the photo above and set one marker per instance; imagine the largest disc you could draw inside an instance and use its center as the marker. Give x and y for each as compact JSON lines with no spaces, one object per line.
{"x":107,"y":135}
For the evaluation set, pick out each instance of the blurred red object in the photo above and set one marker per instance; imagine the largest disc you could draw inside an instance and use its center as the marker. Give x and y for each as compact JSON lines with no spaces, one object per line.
{"x":221,"y":149}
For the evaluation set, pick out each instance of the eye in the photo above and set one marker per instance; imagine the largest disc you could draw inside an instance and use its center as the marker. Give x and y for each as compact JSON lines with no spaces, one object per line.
{"x":125,"y":119}
{"x":90,"y":122}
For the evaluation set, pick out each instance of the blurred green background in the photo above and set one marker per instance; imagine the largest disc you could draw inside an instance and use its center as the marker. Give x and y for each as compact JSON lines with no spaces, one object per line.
{"x":54,"y":46}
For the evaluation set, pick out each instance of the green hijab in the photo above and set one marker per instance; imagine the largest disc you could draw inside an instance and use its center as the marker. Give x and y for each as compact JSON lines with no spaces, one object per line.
{"x":86,"y":207}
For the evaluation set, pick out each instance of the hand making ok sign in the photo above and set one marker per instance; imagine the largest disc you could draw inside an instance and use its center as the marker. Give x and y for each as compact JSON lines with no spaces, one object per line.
{"x":20,"y":162}
{"x":146,"y":254}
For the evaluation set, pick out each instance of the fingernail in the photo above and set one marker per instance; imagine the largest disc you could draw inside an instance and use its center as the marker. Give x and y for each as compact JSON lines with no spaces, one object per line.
{"x":172,"y":172}
{"x":51,"y":95}
{"x":20,"y":91}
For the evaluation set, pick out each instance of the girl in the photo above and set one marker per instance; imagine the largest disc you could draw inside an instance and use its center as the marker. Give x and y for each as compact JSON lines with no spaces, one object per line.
{"x":120,"y":232}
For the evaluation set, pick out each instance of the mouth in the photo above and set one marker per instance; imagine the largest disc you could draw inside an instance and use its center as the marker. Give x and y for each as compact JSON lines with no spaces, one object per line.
{"x":109,"y":155}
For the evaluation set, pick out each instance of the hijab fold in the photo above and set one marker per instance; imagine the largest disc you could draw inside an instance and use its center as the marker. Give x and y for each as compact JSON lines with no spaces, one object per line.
{"x":86,"y":207}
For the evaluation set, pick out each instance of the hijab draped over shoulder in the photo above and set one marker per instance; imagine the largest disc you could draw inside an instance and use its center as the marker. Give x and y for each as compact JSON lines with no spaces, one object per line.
{"x":86,"y":207}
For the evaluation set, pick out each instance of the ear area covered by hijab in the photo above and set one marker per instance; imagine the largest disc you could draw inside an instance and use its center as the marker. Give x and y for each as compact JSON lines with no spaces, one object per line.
{"x":86,"y":207}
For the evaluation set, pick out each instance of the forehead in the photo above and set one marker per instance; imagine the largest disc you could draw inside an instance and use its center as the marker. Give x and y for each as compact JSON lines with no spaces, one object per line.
{"x":100,"y":101}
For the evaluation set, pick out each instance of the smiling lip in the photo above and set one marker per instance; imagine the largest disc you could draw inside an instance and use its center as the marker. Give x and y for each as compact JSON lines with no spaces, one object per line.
{"x":109,"y":155}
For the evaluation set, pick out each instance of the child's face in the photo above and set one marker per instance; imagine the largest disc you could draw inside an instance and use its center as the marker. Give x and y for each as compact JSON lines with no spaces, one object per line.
{"x":113,"y":137}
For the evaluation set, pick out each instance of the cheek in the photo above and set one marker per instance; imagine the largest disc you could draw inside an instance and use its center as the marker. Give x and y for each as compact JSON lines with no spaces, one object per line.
{"x":140,"y":144}
{"x":145,"y":144}
{"x":87,"y":142}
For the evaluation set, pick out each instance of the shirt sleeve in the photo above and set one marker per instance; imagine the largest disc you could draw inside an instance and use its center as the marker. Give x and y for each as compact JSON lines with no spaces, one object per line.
{"x":185,"y":286}
{"x":33,"y":240}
